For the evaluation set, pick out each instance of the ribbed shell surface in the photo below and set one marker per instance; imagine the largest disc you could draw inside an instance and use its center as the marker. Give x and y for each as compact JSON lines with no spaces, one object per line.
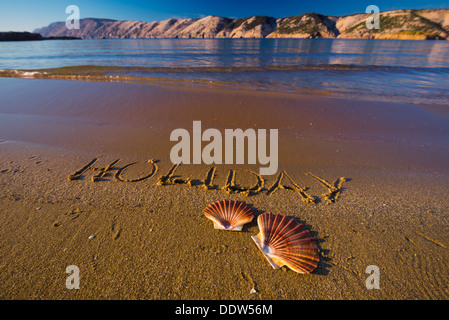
{"x":286,"y":242}
{"x":229,"y":214}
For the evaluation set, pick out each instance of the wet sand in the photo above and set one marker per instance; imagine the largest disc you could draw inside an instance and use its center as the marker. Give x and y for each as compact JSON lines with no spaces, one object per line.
{"x":153,"y":242}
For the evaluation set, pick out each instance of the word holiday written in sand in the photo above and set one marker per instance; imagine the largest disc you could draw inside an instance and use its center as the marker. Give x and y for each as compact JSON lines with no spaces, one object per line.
{"x":229,"y":186}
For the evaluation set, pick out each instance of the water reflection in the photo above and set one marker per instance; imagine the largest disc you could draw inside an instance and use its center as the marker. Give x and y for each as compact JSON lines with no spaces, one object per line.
{"x":223,"y":53}
{"x":390,"y":69}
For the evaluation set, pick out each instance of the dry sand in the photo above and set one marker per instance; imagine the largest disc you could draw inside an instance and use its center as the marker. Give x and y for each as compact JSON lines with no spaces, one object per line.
{"x":153,"y":242}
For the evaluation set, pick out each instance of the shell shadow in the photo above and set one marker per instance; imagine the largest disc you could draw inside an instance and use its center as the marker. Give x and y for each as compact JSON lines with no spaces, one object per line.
{"x":253,"y":223}
{"x":324,"y":264}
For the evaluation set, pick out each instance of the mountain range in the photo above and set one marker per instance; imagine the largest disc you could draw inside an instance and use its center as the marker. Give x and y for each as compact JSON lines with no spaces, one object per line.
{"x":396,"y":24}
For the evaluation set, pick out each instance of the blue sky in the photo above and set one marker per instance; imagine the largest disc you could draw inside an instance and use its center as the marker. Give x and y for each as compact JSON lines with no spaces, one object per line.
{"x":26,"y":15}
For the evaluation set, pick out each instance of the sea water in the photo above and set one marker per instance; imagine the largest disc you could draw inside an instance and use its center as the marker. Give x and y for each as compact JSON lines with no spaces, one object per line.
{"x":392,"y":70}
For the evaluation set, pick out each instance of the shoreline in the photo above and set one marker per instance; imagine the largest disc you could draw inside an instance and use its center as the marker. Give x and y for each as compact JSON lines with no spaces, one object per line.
{"x":219,"y":79}
{"x":153,"y":242}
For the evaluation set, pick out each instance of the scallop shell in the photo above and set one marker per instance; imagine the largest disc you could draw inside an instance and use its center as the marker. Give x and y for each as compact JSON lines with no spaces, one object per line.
{"x":229,"y":214}
{"x":284,"y":241}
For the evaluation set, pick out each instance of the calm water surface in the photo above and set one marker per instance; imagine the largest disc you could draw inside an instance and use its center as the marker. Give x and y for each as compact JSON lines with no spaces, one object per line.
{"x":410,"y":71}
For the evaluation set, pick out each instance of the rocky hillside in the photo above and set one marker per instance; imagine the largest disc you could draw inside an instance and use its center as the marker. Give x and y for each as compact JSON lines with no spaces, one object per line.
{"x":400,"y":24}
{"x":307,"y":25}
{"x":251,"y":27}
{"x":397,"y":24}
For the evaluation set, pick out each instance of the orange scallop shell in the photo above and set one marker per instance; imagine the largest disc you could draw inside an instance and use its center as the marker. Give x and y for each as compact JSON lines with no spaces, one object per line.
{"x":229,"y":214}
{"x":284,"y":241}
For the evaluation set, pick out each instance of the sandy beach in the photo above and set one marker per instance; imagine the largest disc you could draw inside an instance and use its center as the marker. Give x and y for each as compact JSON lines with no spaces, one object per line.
{"x":134,"y":239}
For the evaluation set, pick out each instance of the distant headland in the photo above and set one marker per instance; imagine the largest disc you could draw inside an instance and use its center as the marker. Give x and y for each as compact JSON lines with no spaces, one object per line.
{"x":28,"y":36}
{"x":410,"y":24}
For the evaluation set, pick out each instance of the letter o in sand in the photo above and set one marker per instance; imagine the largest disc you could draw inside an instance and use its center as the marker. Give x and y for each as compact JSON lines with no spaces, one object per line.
{"x":119,"y":173}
